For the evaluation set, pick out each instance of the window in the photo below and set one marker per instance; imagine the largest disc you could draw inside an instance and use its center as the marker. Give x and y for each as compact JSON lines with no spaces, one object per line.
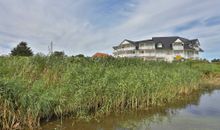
{"x":159,"y":45}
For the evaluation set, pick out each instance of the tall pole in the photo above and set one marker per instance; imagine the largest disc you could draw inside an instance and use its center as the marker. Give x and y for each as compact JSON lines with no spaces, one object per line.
{"x":51,"y":47}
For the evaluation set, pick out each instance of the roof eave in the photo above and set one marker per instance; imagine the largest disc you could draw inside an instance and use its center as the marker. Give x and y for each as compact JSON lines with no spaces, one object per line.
{"x":201,"y":50}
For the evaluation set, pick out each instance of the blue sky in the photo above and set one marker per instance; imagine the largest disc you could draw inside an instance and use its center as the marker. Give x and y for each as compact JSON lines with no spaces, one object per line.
{"x":89,"y":26}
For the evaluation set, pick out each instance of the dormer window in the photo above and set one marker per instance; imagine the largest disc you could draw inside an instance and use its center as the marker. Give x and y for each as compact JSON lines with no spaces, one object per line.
{"x":197,"y":42}
{"x":159,"y":45}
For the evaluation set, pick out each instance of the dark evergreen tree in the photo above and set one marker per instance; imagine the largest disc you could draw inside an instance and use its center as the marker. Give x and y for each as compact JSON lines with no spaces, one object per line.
{"x":22,"y":50}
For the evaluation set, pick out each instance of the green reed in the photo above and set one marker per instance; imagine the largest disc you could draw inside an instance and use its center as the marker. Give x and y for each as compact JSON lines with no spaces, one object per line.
{"x":37,"y":88}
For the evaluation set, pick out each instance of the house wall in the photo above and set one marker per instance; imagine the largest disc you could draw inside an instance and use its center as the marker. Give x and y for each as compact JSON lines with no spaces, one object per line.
{"x":149,"y":52}
{"x":178,"y":46}
{"x":146,"y":46}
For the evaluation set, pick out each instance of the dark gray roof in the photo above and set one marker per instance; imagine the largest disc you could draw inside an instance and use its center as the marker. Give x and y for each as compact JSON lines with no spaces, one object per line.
{"x":201,"y":50}
{"x":132,"y":42}
{"x":194,"y":41}
{"x":167,"y":42}
{"x":146,"y":41}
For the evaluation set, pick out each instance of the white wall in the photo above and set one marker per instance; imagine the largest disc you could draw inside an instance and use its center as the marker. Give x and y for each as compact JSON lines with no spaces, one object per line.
{"x":178,"y":47}
{"x":168,"y":55}
{"x":146,"y":46}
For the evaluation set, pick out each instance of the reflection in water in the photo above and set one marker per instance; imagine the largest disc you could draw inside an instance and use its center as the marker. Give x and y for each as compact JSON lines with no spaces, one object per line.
{"x":200,"y":111}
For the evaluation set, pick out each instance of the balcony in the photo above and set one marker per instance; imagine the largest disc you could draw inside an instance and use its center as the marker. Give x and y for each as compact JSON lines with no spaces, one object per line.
{"x":147,"y":47}
{"x":146,"y":54}
{"x":127,"y":55}
{"x":178,"y":47}
{"x":126,"y":49}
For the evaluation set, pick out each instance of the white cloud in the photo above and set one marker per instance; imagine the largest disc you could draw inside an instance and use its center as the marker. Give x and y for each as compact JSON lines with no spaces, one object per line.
{"x":74,"y":26}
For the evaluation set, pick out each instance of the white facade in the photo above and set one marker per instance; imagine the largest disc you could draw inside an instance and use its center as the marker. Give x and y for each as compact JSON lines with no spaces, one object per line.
{"x":149,"y":50}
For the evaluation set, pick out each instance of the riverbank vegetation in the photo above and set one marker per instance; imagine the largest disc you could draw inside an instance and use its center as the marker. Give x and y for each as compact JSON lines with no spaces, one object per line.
{"x":40,"y":88}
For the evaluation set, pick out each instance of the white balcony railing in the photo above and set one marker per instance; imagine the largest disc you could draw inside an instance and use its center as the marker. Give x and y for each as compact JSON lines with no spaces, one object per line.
{"x":126,"y":49}
{"x":147,"y":47}
{"x":127,"y":55}
{"x":146,"y":54}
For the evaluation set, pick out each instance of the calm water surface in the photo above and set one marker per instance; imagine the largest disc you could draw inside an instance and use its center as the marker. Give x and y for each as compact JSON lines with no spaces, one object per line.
{"x":197,"y":112}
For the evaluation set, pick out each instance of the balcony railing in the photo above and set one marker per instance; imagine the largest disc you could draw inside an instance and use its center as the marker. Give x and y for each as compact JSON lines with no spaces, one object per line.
{"x":146,"y":54}
{"x":126,"y":49}
{"x":147,"y":47}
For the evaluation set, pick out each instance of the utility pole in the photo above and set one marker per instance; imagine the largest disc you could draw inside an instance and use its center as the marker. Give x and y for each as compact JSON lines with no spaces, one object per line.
{"x":50,"y":48}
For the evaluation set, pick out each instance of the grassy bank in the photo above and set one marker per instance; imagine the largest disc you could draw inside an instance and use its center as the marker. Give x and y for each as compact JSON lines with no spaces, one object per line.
{"x":38,"y":88}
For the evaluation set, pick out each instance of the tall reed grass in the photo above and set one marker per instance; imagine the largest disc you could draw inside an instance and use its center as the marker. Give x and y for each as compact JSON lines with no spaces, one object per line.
{"x":36,"y":88}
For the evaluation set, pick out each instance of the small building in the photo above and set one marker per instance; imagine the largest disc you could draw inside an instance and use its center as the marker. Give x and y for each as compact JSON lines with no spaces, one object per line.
{"x":159,"y":48}
{"x":100,"y":55}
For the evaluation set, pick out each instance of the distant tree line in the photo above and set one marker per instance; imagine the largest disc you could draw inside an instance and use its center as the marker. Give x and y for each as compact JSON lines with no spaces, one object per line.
{"x":58,"y":53}
{"x":22,"y":49}
{"x":216,"y":60}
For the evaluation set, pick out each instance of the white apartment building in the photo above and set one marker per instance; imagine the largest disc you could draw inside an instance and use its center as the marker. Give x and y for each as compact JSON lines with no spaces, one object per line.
{"x":159,"y":48}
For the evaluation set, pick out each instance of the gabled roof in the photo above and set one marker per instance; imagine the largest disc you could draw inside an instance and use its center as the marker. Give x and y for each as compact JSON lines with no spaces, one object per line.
{"x":201,"y":50}
{"x":146,"y":41}
{"x":195,"y":42}
{"x":166,"y":42}
{"x":132,"y":42}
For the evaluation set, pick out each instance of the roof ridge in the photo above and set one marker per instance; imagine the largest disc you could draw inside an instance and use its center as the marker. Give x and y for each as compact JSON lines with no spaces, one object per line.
{"x":167,"y":37}
{"x":144,"y":40}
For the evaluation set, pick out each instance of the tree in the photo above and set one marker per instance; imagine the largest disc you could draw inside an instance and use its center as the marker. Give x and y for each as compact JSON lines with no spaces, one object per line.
{"x":80,"y":56}
{"x":22,"y":50}
{"x":58,"y":54}
{"x":216,"y":60}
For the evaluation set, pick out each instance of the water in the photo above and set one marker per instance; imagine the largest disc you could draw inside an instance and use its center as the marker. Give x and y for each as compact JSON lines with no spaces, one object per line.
{"x":199,"y":111}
